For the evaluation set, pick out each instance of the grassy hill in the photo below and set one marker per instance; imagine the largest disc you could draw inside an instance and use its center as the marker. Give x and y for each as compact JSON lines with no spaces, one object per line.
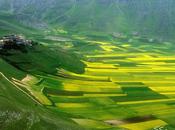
{"x":18,"y":111}
{"x":35,"y":60}
{"x":45,"y":60}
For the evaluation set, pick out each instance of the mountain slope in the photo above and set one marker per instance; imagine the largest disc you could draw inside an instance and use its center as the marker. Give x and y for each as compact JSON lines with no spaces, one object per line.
{"x":10,"y":25}
{"x":153,"y":18}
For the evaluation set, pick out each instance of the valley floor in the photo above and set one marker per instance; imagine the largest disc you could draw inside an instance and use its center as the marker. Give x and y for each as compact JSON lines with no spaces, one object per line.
{"x":125,"y":86}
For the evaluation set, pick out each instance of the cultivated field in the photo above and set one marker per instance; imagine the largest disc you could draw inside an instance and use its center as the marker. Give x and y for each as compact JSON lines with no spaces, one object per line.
{"x":124,"y":86}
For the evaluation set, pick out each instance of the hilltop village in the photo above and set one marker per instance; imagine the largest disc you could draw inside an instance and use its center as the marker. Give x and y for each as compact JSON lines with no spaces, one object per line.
{"x":16,"y":42}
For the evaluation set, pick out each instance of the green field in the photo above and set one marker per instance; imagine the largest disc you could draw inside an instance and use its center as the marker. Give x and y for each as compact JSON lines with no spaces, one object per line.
{"x":123,"y":86}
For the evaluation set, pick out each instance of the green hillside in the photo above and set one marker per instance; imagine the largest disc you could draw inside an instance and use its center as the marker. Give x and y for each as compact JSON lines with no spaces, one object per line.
{"x":19,"y":111}
{"x":44,"y":59}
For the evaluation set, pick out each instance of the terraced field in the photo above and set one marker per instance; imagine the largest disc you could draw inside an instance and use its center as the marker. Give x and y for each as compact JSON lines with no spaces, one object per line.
{"x":125,"y":86}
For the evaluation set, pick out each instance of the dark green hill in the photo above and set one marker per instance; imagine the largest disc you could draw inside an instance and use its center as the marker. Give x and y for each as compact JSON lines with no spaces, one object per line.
{"x":44,"y":59}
